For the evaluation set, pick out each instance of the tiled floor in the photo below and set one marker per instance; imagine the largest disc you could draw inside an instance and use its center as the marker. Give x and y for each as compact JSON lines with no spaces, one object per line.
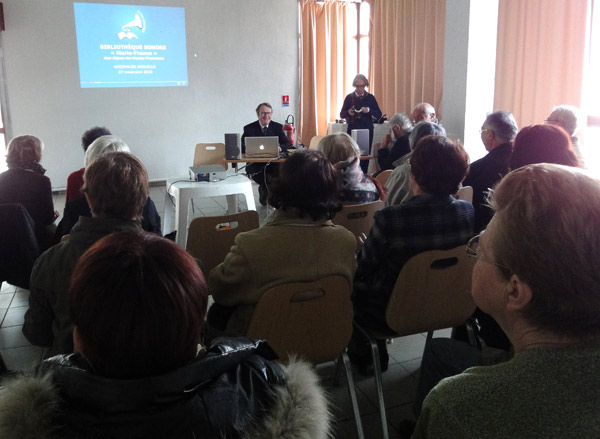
{"x":400,"y":381}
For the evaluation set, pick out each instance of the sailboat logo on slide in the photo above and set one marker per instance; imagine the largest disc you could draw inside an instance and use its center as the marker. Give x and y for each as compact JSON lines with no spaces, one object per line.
{"x":126,"y":30}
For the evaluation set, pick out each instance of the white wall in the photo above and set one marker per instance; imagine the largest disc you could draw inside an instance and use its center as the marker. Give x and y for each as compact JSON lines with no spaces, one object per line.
{"x":469,"y":69}
{"x":239,"y":53}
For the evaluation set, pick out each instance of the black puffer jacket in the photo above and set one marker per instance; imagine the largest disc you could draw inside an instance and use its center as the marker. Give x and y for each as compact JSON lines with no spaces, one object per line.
{"x":232,"y":390}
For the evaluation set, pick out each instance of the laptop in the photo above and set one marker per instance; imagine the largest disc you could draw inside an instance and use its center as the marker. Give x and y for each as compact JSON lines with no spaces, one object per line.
{"x":262,"y":147}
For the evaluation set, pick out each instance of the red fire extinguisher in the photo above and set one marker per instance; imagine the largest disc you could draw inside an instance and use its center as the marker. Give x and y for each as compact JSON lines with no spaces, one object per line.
{"x":289,"y":128}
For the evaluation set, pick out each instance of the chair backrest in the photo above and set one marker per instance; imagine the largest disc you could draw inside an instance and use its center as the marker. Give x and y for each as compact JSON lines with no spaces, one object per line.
{"x":383,"y":176}
{"x":18,"y":245}
{"x":210,"y":238}
{"x":465,"y":193}
{"x":432,"y":291}
{"x":358,"y":218}
{"x":210,"y":154}
{"x":314,"y":142}
{"x":312,"y":320}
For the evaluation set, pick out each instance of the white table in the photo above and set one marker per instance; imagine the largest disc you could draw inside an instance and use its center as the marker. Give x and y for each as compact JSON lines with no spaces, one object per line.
{"x":180,"y":192}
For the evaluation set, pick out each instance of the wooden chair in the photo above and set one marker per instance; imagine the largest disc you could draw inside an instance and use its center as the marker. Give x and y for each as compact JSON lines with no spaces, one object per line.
{"x":383,"y":176}
{"x":210,"y":238}
{"x":210,"y":154}
{"x":312,"y":320}
{"x":358,"y":218}
{"x":432,"y":291}
{"x":465,"y":193}
{"x":314,"y":142}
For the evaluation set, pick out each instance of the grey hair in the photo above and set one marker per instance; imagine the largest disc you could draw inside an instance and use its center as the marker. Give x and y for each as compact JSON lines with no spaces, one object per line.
{"x":360,"y":77}
{"x":566,"y":116}
{"x":103,"y":145}
{"x":338,"y":147}
{"x":401,"y":119}
{"x":266,"y":104}
{"x":423,"y":129}
{"x":503,"y":124}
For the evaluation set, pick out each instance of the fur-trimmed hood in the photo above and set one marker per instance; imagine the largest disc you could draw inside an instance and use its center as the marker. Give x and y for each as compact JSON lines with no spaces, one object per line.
{"x":37,"y":406}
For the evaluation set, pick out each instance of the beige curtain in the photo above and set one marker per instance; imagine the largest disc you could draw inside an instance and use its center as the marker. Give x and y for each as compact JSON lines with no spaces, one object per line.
{"x":323,"y":70}
{"x":539,"y":57}
{"x":407,"y":53}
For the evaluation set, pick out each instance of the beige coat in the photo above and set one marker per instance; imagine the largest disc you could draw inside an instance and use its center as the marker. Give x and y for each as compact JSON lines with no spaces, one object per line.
{"x":286,"y":249}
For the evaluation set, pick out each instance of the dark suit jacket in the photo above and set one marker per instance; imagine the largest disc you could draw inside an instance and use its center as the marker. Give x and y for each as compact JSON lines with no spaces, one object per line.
{"x":400,"y":148}
{"x":483,"y":175}
{"x":274,"y":129}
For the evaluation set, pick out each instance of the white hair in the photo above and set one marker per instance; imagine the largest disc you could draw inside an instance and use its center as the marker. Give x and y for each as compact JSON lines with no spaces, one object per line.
{"x":103,"y":145}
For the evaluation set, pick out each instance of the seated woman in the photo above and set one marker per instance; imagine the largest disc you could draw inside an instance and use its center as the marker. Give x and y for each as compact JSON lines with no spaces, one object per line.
{"x":75,"y":178}
{"x":299,"y":243}
{"x":25,"y":183}
{"x":543,"y":144}
{"x":138,"y":302}
{"x":398,"y":185}
{"x":79,"y":206}
{"x":354,"y":187}
{"x":432,"y":220}
{"x":536,"y":274}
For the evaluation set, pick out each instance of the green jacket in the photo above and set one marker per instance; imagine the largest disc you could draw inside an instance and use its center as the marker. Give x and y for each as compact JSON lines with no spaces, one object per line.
{"x":540,"y":393}
{"x":47,"y":322}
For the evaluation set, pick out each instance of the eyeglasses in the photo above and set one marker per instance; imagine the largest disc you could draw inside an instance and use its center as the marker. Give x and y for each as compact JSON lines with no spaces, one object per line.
{"x":266,"y":113}
{"x":360,"y":85}
{"x":481,"y":130}
{"x":472,"y":246}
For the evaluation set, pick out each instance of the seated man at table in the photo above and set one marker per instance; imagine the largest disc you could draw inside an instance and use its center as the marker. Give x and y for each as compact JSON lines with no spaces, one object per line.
{"x":536,"y":274}
{"x":264,"y":126}
{"x":116,"y":187}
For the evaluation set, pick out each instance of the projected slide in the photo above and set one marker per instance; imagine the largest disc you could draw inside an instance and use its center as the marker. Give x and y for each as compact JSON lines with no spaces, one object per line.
{"x":130,"y":45}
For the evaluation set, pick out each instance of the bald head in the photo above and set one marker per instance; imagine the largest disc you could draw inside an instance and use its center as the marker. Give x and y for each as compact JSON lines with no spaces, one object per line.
{"x":423,"y":111}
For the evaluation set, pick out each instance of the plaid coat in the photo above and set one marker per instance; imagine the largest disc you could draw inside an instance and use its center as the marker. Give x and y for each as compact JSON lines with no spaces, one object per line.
{"x":425,"y":222}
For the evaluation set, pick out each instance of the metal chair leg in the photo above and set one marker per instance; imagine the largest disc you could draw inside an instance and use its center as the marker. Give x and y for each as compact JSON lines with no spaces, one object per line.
{"x":338,"y":372}
{"x":378,"y":381}
{"x":352,"y":392}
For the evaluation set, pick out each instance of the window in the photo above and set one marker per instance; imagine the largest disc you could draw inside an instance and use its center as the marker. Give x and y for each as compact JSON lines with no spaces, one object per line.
{"x":359,"y":25}
{"x":591,"y":92}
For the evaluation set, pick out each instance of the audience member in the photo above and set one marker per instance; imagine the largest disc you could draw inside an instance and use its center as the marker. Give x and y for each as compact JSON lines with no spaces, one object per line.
{"x":359,"y":109}
{"x":542,"y":144}
{"x":75,"y":178}
{"x":567,"y":117}
{"x":264,"y":126}
{"x":299,"y":243}
{"x":497,"y":134}
{"x":535,"y":274}
{"x":424,"y":111}
{"x":138,"y":302}
{"x":25,"y":183}
{"x":80,"y":207}
{"x":432,"y":220}
{"x":354,"y":186}
{"x":398,"y":185}
{"x":395,"y":144}
{"x":116,"y":186}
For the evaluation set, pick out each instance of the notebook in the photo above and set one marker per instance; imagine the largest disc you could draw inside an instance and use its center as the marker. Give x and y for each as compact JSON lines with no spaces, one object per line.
{"x":262,"y":147}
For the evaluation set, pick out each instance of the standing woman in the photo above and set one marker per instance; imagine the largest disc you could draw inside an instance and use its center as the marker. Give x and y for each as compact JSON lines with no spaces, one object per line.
{"x":26,"y":184}
{"x":359,"y":109}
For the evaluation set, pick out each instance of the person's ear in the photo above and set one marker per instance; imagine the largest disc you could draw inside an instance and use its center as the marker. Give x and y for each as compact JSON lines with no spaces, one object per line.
{"x":519,"y":294}
{"x":87,"y":197}
{"x":77,"y":342}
